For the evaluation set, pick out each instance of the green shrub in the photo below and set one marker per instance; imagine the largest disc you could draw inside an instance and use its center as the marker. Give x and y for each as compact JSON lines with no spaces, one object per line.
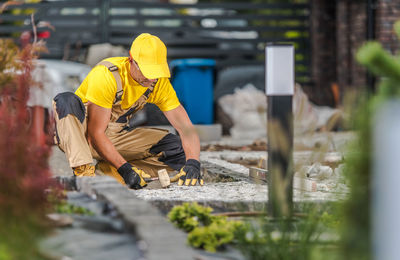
{"x":330,"y":221}
{"x":190,"y":215}
{"x":220,"y":232}
{"x":205,"y":230}
{"x":64,"y":207}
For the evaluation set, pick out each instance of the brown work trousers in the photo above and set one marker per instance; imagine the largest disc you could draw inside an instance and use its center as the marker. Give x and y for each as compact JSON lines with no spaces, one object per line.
{"x":133,"y":144}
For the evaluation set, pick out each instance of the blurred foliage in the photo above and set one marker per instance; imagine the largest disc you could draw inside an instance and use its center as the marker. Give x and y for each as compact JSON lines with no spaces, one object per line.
{"x":24,"y":170}
{"x":58,"y":199}
{"x":63,"y":207}
{"x":8,"y":63}
{"x":356,"y":220}
{"x":330,"y":220}
{"x":294,"y":238}
{"x":356,"y":224}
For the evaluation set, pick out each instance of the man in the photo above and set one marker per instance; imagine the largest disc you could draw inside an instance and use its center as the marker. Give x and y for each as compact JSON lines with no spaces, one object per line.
{"x":94,"y":122}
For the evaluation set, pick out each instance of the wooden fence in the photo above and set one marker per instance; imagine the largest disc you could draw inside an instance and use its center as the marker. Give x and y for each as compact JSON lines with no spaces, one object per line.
{"x":230,"y":33}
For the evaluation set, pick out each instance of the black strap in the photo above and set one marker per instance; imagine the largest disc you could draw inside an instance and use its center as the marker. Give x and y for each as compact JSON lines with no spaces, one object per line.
{"x":114,"y":70}
{"x":118,"y":96}
{"x":124,"y":117}
{"x":147,"y":93}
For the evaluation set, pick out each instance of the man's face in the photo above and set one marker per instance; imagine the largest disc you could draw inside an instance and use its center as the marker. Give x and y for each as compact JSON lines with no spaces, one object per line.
{"x":138,"y":76}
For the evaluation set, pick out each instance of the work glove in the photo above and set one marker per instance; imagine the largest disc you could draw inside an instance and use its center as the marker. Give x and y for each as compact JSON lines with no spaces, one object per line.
{"x":189,"y":174}
{"x":131,"y":176}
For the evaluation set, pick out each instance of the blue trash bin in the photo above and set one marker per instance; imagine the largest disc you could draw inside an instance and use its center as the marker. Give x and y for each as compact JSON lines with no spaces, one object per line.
{"x":193,"y":81}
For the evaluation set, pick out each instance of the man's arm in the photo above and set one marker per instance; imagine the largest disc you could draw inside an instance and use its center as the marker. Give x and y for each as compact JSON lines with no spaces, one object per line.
{"x":190,"y":139}
{"x":98,"y":119}
{"x":190,"y":172}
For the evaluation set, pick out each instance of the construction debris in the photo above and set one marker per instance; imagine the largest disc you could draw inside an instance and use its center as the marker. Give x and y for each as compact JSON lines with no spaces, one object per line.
{"x":303,"y":184}
{"x":250,"y":103}
{"x":317,"y":171}
{"x":257,"y":145}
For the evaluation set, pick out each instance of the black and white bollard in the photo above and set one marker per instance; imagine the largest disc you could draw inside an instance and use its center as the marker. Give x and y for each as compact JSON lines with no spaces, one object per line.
{"x":385,"y":208}
{"x":279,"y":81}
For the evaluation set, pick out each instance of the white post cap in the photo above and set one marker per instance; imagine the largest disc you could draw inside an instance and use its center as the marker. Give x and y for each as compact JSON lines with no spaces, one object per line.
{"x":279,"y":69}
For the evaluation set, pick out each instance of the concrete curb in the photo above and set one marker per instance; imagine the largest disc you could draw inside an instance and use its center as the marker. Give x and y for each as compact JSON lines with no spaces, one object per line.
{"x":162,"y":239}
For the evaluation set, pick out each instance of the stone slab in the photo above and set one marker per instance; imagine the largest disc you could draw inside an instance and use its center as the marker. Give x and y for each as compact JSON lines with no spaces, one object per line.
{"x":162,"y":240}
{"x":209,"y":133}
{"x":91,"y":237}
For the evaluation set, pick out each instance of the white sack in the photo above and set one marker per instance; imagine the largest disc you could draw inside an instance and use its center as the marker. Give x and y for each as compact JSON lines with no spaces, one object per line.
{"x":247,"y":108}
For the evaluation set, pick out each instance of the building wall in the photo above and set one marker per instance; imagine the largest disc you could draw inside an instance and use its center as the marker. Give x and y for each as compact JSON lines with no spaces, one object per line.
{"x":358,"y":35}
{"x":388,"y":12}
{"x":323,"y":50}
{"x":343,"y":42}
{"x":335,"y":43}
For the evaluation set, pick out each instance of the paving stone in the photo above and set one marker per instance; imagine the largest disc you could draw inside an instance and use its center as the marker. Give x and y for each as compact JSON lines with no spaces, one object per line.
{"x":78,"y":243}
{"x":147,"y":223}
{"x":83,"y":200}
{"x":209,"y":133}
{"x":92,"y":237}
{"x":99,"y":224}
{"x":145,"y":220}
{"x":66,"y":182}
{"x":88,"y":184}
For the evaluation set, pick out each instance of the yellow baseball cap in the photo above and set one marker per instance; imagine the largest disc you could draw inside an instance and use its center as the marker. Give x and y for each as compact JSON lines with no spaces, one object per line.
{"x":150,"y":54}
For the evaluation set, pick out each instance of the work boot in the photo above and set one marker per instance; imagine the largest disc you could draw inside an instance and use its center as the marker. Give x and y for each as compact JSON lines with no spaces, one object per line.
{"x":84,"y":170}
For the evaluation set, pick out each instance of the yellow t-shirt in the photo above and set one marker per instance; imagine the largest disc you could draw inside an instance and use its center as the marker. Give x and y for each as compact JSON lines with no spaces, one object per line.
{"x":100,"y":87}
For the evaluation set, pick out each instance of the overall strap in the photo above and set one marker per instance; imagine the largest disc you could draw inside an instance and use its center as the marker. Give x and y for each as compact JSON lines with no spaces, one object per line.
{"x":114,"y":70}
{"x":139,"y":104}
{"x":148,"y":91}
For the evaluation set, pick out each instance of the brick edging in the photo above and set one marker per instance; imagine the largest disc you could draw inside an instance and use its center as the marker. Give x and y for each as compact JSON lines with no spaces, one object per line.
{"x":163,"y":240}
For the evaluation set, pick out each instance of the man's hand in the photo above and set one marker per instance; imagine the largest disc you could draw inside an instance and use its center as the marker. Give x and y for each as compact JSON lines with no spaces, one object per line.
{"x":189,"y":174}
{"x":131,"y":176}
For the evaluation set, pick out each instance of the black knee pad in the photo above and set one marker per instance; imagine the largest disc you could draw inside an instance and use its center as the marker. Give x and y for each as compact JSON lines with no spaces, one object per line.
{"x":69,"y":103}
{"x":173,"y":154}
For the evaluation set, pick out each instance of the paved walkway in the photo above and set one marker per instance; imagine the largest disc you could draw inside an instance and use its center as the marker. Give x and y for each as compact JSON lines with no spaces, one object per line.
{"x":99,"y":237}
{"x":148,"y":224}
{"x":148,"y":234}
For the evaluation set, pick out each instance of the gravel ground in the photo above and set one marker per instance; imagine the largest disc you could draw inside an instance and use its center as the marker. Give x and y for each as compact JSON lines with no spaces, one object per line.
{"x":227,"y":191}
{"x":330,"y":188}
{"x":240,"y":191}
